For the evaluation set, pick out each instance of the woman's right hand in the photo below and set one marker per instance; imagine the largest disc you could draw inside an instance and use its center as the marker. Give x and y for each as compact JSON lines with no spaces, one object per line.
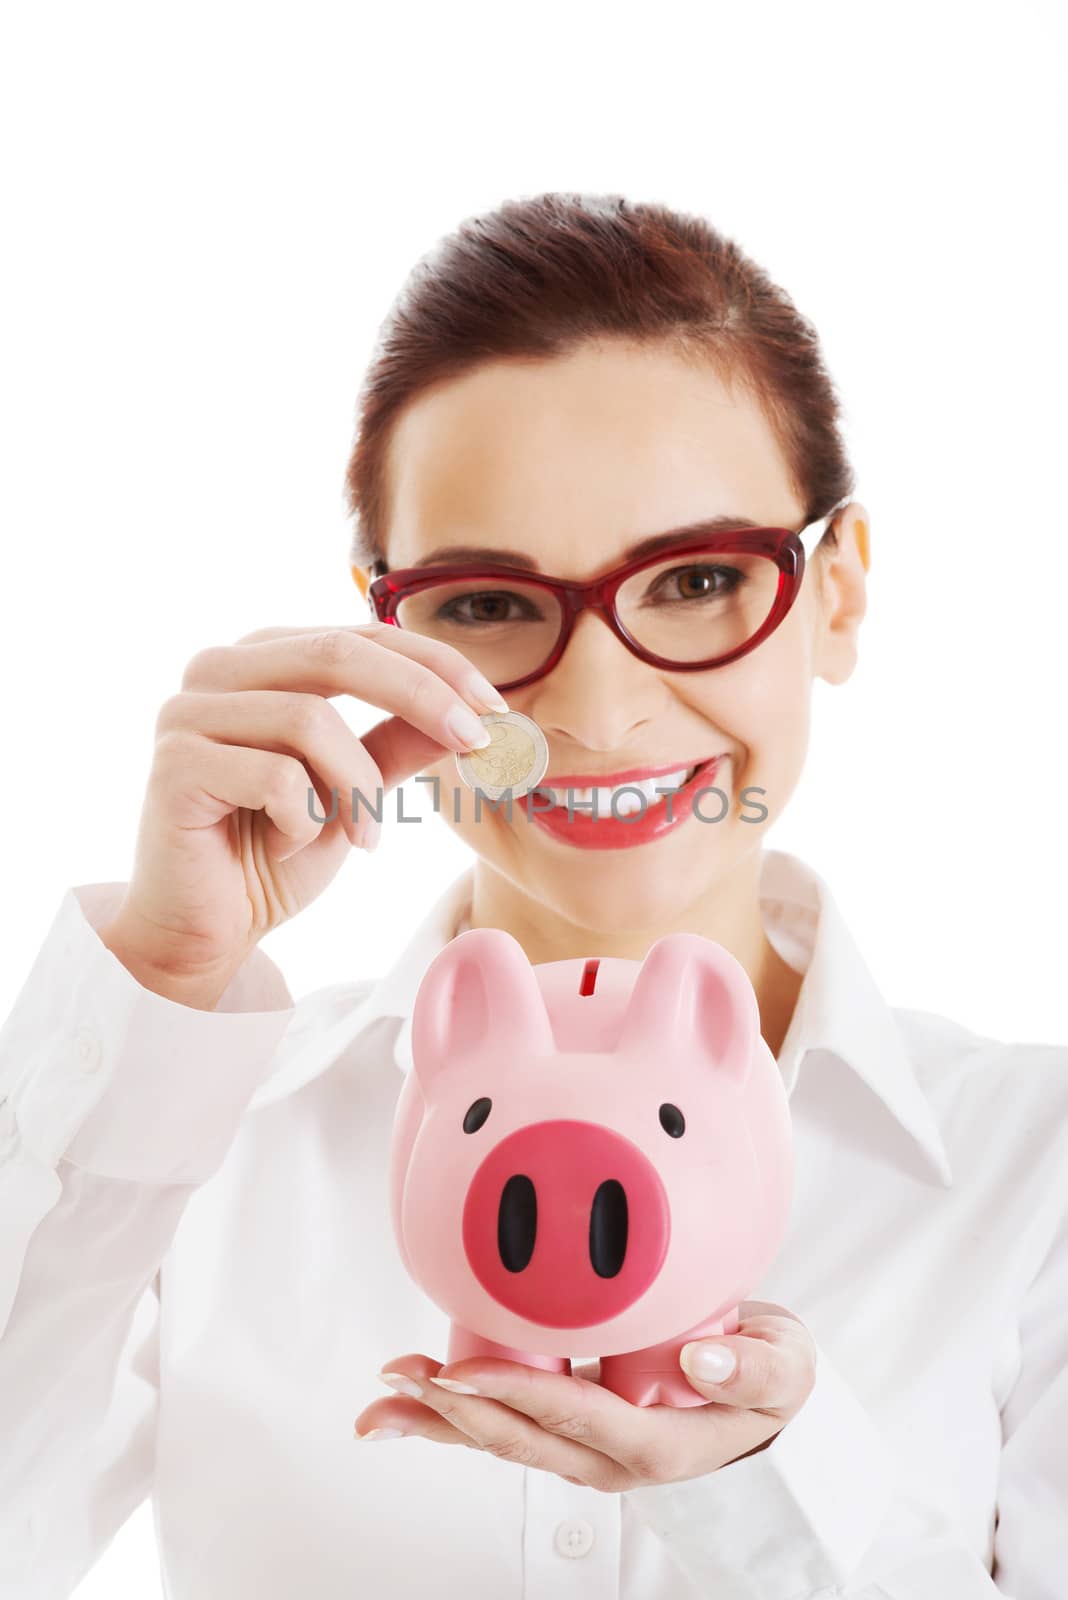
{"x":227,"y":848}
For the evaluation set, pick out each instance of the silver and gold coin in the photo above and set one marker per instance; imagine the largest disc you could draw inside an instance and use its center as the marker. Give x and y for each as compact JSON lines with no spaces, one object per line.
{"x":515,"y":761}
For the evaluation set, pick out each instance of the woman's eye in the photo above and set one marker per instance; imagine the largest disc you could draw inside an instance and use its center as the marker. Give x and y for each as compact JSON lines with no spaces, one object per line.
{"x":477,"y":1112}
{"x":672,"y":1120}
{"x":697,"y":583}
{"x":488,"y":608}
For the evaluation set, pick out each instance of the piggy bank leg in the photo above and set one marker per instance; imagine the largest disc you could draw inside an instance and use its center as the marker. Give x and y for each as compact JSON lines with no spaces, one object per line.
{"x":463,"y":1343}
{"x":653,"y":1376}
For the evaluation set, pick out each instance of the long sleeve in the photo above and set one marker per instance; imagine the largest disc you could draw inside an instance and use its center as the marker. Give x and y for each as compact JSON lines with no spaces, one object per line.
{"x":826,"y":1509}
{"x":1031,"y":1535}
{"x":115,"y":1103}
{"x":792,"y":1520}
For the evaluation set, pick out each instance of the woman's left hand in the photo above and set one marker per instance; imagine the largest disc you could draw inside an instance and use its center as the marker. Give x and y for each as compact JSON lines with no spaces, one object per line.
{"x":570,"y":1425}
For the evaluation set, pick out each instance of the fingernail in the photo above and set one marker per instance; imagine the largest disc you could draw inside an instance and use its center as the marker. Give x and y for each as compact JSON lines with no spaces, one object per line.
{"x":467,"y":729}
{"x":712,"y":1363}
{"x":372,"y":832}
{"x":480,"y":689}
{"x":382,"y":1433}
{"x":456,"y":1388}
{"x":402,"y":1383}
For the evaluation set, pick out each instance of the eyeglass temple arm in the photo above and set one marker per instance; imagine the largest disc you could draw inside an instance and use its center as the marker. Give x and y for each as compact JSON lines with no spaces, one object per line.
{"x":811,"y":535}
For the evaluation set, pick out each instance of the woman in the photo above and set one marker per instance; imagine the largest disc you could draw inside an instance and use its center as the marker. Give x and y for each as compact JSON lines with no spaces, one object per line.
{"x":199,"y":1280}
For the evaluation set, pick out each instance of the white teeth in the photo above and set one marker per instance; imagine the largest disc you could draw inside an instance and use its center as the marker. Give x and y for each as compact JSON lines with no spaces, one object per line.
{"x":628,"y":801}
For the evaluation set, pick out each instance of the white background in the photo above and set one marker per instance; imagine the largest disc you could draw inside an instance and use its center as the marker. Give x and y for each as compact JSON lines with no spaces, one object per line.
{"x":208,"y":210}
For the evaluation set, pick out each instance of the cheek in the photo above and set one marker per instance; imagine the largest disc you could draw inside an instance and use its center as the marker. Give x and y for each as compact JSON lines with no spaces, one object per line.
{"x":762,"y":703}
{"x":776,"y":712}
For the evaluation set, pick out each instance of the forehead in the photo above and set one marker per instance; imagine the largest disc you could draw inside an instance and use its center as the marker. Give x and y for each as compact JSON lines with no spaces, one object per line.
{"x":600,"y":446}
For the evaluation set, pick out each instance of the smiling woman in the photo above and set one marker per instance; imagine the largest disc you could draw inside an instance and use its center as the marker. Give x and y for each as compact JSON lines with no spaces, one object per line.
{"x":598,"y":480}
{"x":641,"y":393}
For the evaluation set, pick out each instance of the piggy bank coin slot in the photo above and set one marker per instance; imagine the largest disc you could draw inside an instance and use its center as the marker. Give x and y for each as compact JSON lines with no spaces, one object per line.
{"x":589,"y":975}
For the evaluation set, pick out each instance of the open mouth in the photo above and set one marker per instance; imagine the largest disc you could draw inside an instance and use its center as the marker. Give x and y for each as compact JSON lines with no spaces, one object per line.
{"x":628,"y":797}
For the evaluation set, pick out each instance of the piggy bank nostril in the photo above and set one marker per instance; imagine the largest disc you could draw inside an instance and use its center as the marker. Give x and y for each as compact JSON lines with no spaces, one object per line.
{"x":566,"y":1223}
{"x":672,"y":1120}
{"x":517,"y":1222}
{"x":608,"y":1229}
{"x":476,"y":1114}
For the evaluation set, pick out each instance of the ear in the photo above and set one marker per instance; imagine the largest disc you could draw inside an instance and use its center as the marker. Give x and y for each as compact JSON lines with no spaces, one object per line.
{"x":693,"y":1001}
{"x":479,"y":993}
{"x":843,"y":594}
{"x":361,"y":578}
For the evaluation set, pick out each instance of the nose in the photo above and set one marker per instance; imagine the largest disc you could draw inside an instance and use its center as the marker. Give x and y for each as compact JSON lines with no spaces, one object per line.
{"x":592,"y":697}
{"x":566,"y":1223}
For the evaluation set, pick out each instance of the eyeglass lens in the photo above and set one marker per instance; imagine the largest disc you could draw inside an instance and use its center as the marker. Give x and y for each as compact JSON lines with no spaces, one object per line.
{"x":692,"y":607}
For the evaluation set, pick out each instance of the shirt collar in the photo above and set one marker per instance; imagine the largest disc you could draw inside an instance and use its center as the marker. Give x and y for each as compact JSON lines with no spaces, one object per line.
{"x":839,"y":1008}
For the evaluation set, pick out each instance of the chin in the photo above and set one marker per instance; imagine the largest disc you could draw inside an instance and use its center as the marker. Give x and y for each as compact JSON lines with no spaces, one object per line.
{"x":611,"y":896}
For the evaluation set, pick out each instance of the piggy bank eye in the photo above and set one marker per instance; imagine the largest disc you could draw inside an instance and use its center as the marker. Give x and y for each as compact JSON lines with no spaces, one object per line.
{"x":672,"y":1120}
{"x":477,"y":1113}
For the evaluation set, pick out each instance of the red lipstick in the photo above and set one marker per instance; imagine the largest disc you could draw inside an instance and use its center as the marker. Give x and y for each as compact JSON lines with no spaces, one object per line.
{"x":607,"y":832}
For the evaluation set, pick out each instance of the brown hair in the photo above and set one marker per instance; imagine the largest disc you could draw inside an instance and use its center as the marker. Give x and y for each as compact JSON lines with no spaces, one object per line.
{"x":536,"y":277}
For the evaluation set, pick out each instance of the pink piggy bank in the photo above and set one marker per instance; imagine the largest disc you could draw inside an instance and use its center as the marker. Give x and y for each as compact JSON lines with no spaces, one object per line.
{"x":590,"y":1156}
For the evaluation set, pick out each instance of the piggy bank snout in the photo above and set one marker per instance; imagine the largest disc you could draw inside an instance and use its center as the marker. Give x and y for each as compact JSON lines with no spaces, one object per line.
{"x":566,"y":1223}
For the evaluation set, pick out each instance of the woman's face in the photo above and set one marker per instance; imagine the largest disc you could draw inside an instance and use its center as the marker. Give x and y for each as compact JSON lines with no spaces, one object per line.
{"x":572,"y":461}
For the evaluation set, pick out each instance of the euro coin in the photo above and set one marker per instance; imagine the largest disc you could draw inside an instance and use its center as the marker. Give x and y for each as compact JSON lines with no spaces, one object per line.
{"x":515,"y":761}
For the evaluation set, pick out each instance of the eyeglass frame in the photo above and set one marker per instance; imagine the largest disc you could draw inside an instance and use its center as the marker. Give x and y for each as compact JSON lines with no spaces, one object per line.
{"x":789,"y":549}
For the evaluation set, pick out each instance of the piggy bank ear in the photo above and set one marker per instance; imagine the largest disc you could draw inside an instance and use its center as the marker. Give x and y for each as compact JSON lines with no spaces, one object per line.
{"x":478,"y":993}
{"x":692,"y":998}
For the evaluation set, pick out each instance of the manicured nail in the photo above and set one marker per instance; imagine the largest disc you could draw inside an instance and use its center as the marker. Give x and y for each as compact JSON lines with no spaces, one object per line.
{"x":402,"y":1383}
{"x":382,"y":1433}
{"x":467,"y":729}
{"x":480,"y":689}
{"x":712,"y":1363}
{"x":372,"y":832}
{"x":456,"y":1388}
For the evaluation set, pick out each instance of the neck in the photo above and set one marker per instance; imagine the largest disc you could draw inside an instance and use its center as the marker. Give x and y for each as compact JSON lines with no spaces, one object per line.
{"x":729,"y":914}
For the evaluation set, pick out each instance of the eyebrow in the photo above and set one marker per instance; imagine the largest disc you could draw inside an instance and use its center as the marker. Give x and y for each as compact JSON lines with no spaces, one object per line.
{"x":643,"y":547}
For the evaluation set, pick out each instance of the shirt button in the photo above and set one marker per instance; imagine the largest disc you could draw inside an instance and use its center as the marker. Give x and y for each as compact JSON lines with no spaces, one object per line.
{"x":88,"y":1049}
{"x":574,"y":1537}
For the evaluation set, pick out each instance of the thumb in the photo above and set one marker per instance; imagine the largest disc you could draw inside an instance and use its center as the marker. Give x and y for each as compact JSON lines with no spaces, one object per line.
{"x":773,"y":1369}
{"x":710,"y":1363}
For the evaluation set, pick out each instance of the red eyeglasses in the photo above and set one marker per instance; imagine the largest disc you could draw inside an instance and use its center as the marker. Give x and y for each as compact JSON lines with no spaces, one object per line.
{"x":514,"y":624}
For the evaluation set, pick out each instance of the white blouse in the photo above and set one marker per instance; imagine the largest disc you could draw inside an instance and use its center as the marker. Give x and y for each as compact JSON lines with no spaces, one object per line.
{"x":199,"y":1283}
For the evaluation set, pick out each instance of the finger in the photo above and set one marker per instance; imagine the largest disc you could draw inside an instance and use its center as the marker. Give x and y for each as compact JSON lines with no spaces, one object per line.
{"x":301,"y":725}
{"x":369,"y":665}
{"x":762,"y":1319}
{"x":756,"y":1310}
{"x":774,"y":1366}
{"x":443,"y":659}
{"x":510,"y":1436}
{"x":645,"y":1442}
{"x":411,"y":1420}
{"x":450,"y":663}
{"x":219,"y":778}
{"x":500,"y":1430}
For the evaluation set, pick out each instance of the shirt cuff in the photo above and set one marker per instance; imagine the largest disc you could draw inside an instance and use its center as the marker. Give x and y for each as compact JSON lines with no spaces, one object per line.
{"x":124,"y":1082}
{"x":792,"y":1520}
